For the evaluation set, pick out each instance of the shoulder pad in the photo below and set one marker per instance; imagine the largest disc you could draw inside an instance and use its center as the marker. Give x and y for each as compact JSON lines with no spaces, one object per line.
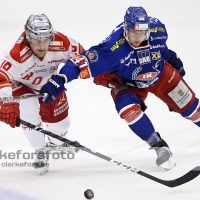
{"x":156,"y":25}
{"x":60,"y":43}
{"x":20,"y":51}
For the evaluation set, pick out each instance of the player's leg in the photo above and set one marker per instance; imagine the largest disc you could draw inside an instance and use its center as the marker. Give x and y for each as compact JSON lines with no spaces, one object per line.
{"x":29,"y":111}
{"x":129,"y":103}
{"x":176,"y":93}
{"x":57,"y":120}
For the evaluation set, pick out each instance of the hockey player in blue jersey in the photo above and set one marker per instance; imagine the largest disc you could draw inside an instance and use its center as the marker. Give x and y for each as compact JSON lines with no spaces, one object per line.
{"x":134,"y":60}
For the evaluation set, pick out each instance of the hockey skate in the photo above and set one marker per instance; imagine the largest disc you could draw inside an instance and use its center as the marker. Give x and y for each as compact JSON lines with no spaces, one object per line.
{"x":164,"y":155}
{"x":41,"y":161}
{"x":63,"y":147}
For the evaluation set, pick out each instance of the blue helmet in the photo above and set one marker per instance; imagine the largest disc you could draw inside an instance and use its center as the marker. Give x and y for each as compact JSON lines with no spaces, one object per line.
{"x":136,"y":18}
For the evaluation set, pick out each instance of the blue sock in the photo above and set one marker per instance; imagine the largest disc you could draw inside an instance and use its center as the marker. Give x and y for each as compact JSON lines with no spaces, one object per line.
{"x":143,"y":127}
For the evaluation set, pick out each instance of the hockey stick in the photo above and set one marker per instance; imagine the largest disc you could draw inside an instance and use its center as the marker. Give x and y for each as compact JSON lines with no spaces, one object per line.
{"x":23,"y":96}
{"x":170,"y":183}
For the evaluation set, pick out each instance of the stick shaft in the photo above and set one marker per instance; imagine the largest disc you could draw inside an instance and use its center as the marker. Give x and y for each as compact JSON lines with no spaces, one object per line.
{"x":23,"y":97}
{"x":169,"y":183}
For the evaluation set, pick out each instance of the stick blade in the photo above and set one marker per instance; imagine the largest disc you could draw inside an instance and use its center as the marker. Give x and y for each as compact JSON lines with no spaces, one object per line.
{"x":192,"y":174}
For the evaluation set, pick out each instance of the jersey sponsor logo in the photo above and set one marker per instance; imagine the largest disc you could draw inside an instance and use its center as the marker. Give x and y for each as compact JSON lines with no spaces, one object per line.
{"x":40,"y":70}
{"x":158,"y":38}
{"x":24,"y":50}
{"x":131,"y":61}
{"x":40,"y":66}
{"x":147,"y":76}
{"x":144,"y":57}
{"x":62,"y":100}
{"x":28,"y":70}
{"x":26,"y":56}
{"x":181,"y":95}
{"x":57,"y":48}
{"x":56,"y":43}
{"x":118,"y":44}
{"x":157,"y":46}
{"x":146,"y":84}
{"x":92,"y":56}
{"x":155,"y":55}
{"x":126,"y":57}
{"x":53,"y":68}
{"x":180,"y":92}
{"x":55,"y":61}
{"x":157,"y":29}
{"x":85,"y":73}
{"x":105,"y":40}
{"x":61,"y":107}
{"x":20,"y":40}
{"x":153,"y":20}
{"x":143,"y":80}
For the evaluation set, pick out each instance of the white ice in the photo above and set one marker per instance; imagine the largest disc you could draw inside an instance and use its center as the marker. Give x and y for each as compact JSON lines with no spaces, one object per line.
{"x":95,"y":123}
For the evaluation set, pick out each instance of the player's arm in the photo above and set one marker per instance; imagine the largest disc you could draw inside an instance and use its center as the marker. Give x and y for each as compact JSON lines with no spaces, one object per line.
{"x":9,"y":110}
{"x":176,"y":62}
{"x":86,"y":65}
{"x":90,"y":63}
{"x":170,"y":56}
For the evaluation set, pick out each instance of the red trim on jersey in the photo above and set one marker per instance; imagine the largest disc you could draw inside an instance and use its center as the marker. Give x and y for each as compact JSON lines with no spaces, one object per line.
{"x":3,"y":76}
{"x":20,"y":51}
{"x":5,"y":84}
{"x":60,"y":43}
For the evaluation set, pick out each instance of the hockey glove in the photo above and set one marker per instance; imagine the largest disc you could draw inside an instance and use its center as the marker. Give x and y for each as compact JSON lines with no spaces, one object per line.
{"x":9,"y":113}
{"x":110,"y":80}
{"x":53,"y":88}
{"x":176,"y":62}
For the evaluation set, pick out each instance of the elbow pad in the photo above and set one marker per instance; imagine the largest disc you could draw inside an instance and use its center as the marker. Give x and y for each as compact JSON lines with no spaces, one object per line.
{"x":83,"y":64}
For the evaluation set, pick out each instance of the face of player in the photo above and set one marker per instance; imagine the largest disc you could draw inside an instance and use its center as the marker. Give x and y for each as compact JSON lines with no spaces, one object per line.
{"x":39,"y":47}
{"x":136,"y":36}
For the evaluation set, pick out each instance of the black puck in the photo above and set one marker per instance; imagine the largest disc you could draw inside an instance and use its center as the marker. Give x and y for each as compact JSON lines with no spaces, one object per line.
{"x":89,"y":194}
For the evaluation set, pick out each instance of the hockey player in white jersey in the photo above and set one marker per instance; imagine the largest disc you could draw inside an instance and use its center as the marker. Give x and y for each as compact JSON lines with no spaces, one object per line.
{"x":24,"y":68}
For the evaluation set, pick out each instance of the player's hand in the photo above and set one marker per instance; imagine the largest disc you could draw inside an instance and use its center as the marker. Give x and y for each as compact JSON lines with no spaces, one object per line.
{"x":53,"y":88}
{"x":9,"y":112}
{"x":110,"y":80}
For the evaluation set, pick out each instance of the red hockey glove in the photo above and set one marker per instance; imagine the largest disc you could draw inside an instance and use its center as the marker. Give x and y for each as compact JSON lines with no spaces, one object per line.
{"x":110,"y":80}
{"x":9,"y":112}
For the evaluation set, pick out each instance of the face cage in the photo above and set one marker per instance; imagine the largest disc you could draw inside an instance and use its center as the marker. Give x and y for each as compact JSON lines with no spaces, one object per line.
{"x":30,"y":34}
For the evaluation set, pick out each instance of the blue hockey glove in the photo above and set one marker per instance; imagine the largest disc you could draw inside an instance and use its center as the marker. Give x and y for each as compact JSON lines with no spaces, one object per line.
{"x":53,"y":88}
{"x":176,"y":62}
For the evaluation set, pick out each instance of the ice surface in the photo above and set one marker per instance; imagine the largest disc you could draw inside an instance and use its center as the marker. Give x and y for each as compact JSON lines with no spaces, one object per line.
{"x":95,"y":123}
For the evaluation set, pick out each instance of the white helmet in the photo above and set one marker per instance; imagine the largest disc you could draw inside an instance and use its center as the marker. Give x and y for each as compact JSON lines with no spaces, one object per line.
{"x":38,"y":27}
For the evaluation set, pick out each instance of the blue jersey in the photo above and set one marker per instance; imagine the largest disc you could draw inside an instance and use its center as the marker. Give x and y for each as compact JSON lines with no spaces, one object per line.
{"x":140,"y":67}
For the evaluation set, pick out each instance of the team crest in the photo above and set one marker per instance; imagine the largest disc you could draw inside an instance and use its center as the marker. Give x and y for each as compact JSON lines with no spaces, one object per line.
{"x":92,"y":56}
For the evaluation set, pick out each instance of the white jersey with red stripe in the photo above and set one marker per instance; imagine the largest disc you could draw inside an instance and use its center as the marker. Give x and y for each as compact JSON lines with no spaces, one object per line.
{"x":18,"y":63}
